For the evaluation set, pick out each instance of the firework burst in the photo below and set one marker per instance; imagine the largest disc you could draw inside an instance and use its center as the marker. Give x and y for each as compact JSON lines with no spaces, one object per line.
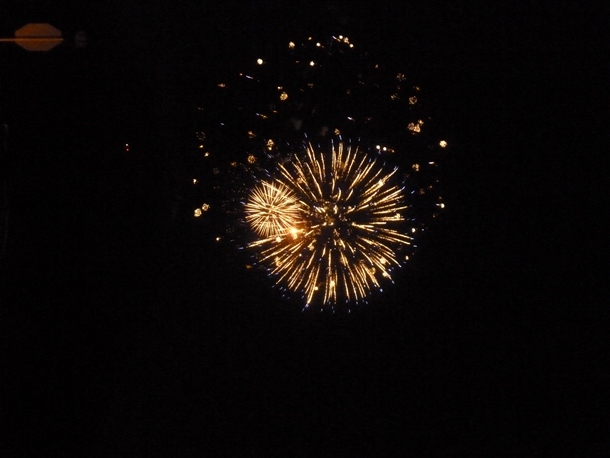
{"x":272,"y":209}
{"x":329,"y":224}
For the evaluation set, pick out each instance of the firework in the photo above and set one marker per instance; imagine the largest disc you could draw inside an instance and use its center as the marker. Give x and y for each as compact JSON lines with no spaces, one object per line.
{"x":329,"y":224}
{"x":272,"y":209}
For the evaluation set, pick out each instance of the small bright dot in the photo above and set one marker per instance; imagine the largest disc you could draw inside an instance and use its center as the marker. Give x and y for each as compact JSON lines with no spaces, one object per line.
{"x":318,"y":44}
{"x":200,"y":146}
{"x":283,"y":96}
{"x":251,"y":159}
{"x":415,"y":127}
{"x":442,"y":144}
{"x":259,"y":61}
{"x":206,"y":154}
{"x":291,"y":45}
{"x":413,"y":230}
{"x":218,"y":239}
{"x":194,"y":180}
{"x":205,"y":207}
{"x":197,"y":212}
{"x":441,"y":205}
{"x":312,"y":63}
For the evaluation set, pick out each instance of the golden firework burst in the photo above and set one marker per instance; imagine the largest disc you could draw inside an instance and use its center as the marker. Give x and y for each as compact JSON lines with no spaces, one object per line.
{"x":328,"y":224}
{"x":272,"y":209}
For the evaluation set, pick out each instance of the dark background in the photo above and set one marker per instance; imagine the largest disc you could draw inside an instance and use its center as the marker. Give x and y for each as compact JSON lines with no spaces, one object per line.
{"x":125,"y":331}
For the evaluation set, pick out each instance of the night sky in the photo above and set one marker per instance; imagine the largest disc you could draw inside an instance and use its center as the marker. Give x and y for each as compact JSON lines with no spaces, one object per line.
{"x":125,"y":330}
